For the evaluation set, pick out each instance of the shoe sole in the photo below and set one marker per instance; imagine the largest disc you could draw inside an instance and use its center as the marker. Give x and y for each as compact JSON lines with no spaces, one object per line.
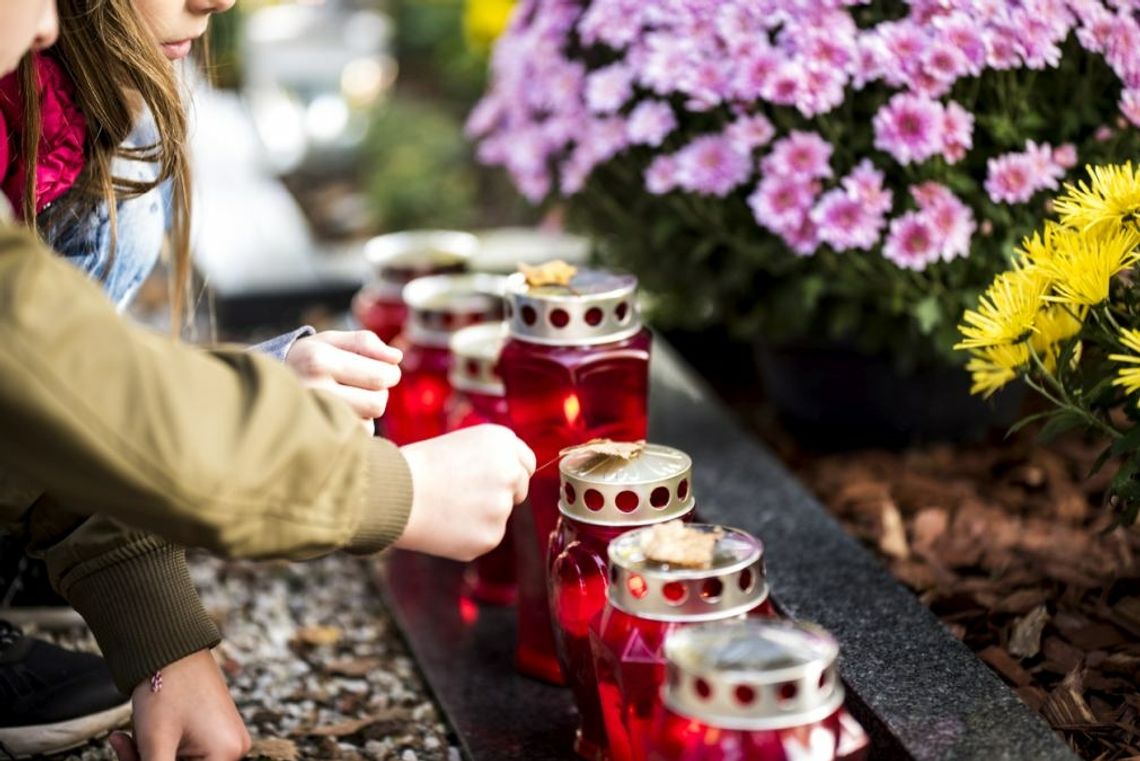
{"x":44,"y":618}
{"x":26,"y":742}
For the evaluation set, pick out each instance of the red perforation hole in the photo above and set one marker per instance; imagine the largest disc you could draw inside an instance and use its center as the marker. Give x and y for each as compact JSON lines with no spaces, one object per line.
{"x":745,"y":580}
{"x":745,"y":695}
{"x":622,"y":311}
{"x":674,"y":592}
{"x":594,"y":316}
{"x":660,"y":497}
{"x":787,"y":691}
{"x":529,"y":316}
{"x":627,"y":501}
{"x":703,"y":689}
{"x":594,"y":499}
{"x":711,"y":590}
{"x":637,"y":587}
{"x":559,"y":318}
{"x":472,"y":367}
{"x":570,"y":494}
{"x":683,"y":489}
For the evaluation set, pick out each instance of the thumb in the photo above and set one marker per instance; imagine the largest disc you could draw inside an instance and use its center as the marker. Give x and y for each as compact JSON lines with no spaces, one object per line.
{"x":123,"y":746}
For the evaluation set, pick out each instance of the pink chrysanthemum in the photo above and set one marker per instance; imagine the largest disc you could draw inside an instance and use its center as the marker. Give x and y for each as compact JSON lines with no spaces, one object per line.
{"x":1130,"y":106}
{"x":866,"y":184}
{"x":1009,"y":178}
{"x":844,"y":222}
{"x":952,"y":220}
{"x":750,"y":132}
{"x":1065,"y":155}
{"x":911,"y":242}
{"x":909,"y":127}
{"x":781,"y":204}
{"x":712,"y":165}
{"x":650,"y":122}
{"x":957,"y":132}
{"x":661,"y":175}
{"x":608,"y":89}
{"x":801,"y":155}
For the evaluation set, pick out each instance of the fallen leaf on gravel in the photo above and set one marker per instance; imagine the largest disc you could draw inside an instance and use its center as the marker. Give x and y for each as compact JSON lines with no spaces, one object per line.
{"x":1004,"y":664}
{"x":893,"y":540}
{"x":274,"y":749}
{"x":318,"y":635}
{"x":929,"y":526}
{"x":354,"y":667}
{"x":1021,"y":601}
{"x":1066,"y":704}
{"x":341,"y":729}
{"x":1025,"y":641}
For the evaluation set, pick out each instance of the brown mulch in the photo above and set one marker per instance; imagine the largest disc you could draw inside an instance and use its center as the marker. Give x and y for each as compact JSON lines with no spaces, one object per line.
{"x":1011,"y":547}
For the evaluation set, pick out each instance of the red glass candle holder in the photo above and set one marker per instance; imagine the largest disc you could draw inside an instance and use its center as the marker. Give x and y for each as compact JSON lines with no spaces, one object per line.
{"x":477,"y":398}
{"x":575,"y":368}
{"x":396,"y":260}
{"x":646,"y":601}
{"x":751,"y":691}
{"x":438,"y":307}
{"x":602,"y":498}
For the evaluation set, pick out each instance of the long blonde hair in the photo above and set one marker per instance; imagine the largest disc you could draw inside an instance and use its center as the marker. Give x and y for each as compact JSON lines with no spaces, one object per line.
{"x":117,"y":68}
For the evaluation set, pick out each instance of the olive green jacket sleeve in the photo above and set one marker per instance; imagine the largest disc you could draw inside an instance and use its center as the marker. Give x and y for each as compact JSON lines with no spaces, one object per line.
{"x":222,"y":450}
{"x":133,"y":589}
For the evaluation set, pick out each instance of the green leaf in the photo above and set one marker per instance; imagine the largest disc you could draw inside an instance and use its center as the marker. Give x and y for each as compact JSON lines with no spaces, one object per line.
{"x":1100,"y":461}
{"x":928,"y":312}
{"x":1127,"y":443}
{"x":1062,"y":422}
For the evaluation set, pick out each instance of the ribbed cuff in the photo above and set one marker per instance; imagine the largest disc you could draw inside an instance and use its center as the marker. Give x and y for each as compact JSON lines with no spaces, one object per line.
{"x":145,"y":614}
{"x":387,"y":500}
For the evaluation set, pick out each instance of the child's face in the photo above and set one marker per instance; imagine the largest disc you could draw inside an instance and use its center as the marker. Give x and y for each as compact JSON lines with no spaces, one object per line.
{"x":177,"y":23}
{"x":25,"y":25}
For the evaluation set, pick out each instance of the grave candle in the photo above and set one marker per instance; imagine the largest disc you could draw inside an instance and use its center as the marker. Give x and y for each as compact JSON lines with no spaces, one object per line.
{"x":647,"y":600}
{"x":575,"y":368}
{"x":438,"y":307}
{"x":477,"y":397}
{"x":396,"y":260}
{"x":602,"y":496}
{"x":753,"y":691}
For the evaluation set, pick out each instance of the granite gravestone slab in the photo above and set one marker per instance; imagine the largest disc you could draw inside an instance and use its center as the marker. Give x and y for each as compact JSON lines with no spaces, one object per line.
{"x":919,"y":691}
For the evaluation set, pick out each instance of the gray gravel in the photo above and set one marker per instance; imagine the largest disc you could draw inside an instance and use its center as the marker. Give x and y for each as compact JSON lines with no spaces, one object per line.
{"x":359,"y":697}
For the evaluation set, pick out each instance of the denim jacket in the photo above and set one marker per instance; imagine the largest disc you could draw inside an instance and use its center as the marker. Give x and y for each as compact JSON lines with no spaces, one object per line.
{"x":83,"y":236}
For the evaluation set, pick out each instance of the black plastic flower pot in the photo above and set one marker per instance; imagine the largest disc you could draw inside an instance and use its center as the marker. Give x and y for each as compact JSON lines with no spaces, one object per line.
{"x":836,"y":398}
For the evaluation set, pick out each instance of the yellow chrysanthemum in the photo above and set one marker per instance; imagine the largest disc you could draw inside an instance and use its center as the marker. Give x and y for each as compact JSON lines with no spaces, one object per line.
{"x":1037,"y":249}
{"x":1006,"y":311}
{"x":485,"y":20}
{"x":1128,"y":377}
{"x":1083,"y":263}
{"x":1112,"y":198}
{"x":1053,"y":326}
{"x":993,"y":367}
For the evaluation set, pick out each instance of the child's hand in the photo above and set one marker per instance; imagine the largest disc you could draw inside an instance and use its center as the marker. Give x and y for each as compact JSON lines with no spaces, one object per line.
{"x":464,"y":485}
{"x":191,"y":716}
{"x":356,"y":366}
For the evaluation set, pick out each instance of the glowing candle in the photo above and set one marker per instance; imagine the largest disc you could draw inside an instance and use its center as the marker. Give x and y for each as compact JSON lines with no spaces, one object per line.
{"x":753,"y":691}
{"x":646,"y":601}
{"x":396,"y":260}
{"x":603,"y":498}
{"x":575,"y":367}
{"x":439,"y":306}
{"x":477,"y":397}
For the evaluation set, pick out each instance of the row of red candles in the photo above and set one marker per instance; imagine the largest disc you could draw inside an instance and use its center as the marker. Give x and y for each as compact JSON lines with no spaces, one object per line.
{"x":573,"y":367}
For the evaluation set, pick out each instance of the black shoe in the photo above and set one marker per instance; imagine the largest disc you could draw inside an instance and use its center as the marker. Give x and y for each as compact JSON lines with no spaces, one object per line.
{"x":26,"y":594}
{"x":52,"y":699}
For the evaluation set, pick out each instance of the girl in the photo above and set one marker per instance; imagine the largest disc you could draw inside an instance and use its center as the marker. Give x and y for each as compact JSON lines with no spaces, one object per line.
{"x":99,"y":135}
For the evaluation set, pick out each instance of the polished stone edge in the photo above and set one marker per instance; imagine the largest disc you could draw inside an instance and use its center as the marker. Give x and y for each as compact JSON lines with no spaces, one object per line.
{"x":927,"y":695}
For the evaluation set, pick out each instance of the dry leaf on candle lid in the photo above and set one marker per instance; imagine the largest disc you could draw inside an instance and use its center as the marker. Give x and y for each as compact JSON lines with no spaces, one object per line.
{"x":626,"y":450}
{"x":556,"y":272}
{"x":678,"y":545}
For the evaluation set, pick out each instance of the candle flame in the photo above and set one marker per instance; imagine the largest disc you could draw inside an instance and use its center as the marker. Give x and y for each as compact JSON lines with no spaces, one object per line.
{"x":572,"y":408}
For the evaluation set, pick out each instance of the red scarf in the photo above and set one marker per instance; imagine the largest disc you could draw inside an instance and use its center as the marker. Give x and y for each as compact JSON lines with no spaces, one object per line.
{"x":63,"y":132}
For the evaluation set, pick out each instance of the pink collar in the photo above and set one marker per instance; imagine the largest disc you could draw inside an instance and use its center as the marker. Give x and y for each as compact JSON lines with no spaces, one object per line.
{"x":62,"y":136}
